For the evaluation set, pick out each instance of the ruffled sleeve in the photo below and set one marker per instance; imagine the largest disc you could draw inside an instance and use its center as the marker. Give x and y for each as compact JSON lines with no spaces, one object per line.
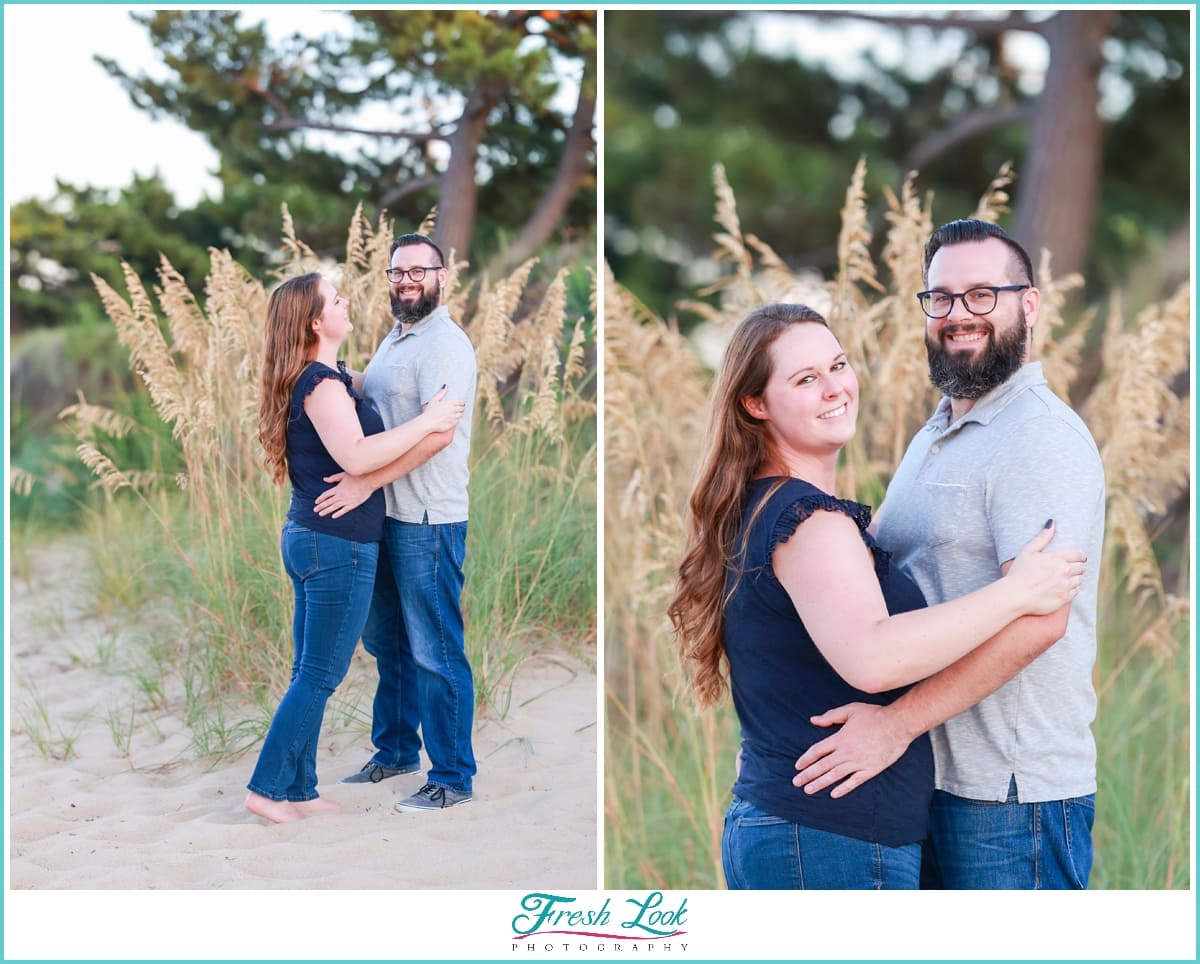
{"x":317,"y":373}
{"x":310,"y":378}
{"x":801,"y":508}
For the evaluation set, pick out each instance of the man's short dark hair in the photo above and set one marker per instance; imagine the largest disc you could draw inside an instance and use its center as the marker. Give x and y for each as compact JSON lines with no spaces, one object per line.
{"x":972,"y":229}
{"x":407,"y":240}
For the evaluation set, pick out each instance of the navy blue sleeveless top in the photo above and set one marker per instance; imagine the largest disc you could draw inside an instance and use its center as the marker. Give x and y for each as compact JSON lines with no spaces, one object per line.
{"x":779,"y":679}
{"x":309,"y":462}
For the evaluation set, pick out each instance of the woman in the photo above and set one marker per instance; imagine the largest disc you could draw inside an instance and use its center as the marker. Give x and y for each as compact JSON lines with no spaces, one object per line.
{"x":783,"y":581}
{"x":312,"y":423}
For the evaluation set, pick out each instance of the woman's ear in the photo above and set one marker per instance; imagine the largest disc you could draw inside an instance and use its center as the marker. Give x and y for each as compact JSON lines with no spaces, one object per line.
{"x":754,"y":406}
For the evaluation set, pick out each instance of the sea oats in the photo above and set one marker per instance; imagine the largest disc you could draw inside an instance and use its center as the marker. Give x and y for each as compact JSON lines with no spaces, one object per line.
{"x":86,"y":419}
{"x":855,"y":265}
{"x":995,"y":198}
{"x":730,"y":244}
{"x":108,"y":476}
{"x":573,"y":366}
{"x":301,"y":257}
{"x":357,"y":240}
{"x":429,"y":223}
{"x":498,"y":354}
{"x":20,"y":482}
{"x":543,"y":412}
{"x":138,"y":330}
{"x":187,"y":323}
{"x":549,"y":318}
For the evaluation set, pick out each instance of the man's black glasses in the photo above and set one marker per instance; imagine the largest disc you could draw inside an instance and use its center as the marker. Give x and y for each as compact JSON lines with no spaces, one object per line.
{"x":417,"y":274}
{"x":978,"y":301}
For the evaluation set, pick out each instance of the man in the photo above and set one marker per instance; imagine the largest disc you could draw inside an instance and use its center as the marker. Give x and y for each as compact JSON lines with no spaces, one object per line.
{"x":1016,"y":769}
{"x":415,"y":626}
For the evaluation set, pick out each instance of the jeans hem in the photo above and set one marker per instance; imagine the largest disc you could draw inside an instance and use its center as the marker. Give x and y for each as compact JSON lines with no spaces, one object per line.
{"x":285,"y":798}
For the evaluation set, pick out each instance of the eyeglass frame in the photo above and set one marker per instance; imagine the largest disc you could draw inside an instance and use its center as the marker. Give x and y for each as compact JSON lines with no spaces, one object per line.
{"x":409,"y":271}
{"x":962,"y":296}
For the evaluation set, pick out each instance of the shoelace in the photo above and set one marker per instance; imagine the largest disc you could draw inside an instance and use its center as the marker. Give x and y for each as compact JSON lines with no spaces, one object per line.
{"x":376,"y":773}
{"x":435,"y":793}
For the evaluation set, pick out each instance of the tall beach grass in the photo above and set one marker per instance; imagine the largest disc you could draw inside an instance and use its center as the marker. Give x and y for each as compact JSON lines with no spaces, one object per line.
{"x":669,"y":767}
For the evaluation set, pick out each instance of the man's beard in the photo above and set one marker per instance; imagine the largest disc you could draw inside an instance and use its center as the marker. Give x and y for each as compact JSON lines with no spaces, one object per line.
{"x":410,"y":312}
{"x":960,"y":376}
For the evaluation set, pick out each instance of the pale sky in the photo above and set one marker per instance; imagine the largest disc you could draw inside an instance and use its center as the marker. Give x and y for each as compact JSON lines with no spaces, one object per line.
{"x":65,"y":117}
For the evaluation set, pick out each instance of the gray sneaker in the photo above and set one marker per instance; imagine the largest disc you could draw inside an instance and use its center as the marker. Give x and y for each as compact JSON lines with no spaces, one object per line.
{"x":374,"y":772}
{"x":433,"y":797}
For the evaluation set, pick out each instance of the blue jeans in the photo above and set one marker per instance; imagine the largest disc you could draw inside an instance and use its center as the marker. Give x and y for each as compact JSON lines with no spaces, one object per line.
{"x":332,"y":578}
{"x":763,"y":852}
{"x":984,"y":845}
{"x":415,"y":633}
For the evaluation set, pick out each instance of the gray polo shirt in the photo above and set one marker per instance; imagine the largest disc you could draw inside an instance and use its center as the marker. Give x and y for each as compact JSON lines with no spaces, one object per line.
{"x":406,"y":372}
{"x":965,"y":498}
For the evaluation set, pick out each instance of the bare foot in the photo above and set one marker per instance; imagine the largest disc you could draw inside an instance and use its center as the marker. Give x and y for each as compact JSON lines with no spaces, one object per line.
{"x":277,"y":811}
{"x":317,"y":805}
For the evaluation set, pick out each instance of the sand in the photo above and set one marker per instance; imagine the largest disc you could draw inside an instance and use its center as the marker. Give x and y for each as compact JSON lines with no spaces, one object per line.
{"x":98,"y":804}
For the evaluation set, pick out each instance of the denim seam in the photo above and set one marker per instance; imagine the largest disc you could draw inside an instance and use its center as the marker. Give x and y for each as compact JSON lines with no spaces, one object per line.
{"x":292,"y":752}
{"x":437,"y":644}
{"x":799,"y":860}
{"x":389,"y":651}
{"x":315,"y":699}
{"x":456,"y":764}
{"x":1037,"y":846}
{"x":1066,"y":819}
{"x":295,"y":747}
{"x":739,"y":861}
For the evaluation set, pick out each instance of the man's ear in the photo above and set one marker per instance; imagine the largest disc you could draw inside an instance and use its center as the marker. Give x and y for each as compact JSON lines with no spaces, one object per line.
{"x":1031,"y":301}
{"x":754,"y":406}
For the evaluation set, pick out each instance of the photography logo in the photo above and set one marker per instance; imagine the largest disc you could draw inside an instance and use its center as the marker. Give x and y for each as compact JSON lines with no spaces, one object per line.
{"x":549,"y":922}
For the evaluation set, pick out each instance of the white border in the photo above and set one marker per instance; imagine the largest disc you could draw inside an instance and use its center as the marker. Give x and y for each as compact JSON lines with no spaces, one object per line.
{"x":473,"y":925}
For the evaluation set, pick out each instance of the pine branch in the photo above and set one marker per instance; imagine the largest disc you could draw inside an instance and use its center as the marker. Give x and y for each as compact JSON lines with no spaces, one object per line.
{"x":290,"y":122}
{"x":981,"y":27}
{"x":963,"y":129}
{"x":409,"y":187}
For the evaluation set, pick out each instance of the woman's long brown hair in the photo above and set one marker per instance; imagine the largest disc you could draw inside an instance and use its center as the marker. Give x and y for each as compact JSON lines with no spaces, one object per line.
{"x":290,"y":341}
{"x":736,"y":450}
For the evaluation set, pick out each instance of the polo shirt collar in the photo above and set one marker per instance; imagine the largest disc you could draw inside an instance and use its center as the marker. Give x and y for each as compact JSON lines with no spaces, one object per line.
{"x":993,"y":403}
{"x":441,"y":312}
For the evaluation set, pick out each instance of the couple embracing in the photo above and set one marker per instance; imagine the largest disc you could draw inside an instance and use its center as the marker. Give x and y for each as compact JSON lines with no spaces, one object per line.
{"x":378,"y":555}
{"x":948,"y":644}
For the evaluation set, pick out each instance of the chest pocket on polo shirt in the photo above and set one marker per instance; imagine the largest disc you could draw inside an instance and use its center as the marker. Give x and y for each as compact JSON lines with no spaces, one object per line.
{"x":950,"y":518}
{"x":401,"y":378}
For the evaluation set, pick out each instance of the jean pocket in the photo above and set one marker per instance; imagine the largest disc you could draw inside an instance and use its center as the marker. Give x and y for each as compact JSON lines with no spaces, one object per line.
{"x":1079,"y":815}
{"x":298,"y":546}
{"x":747,"y":814}
{"x":759,"y":851}
{"x":458,"y":543}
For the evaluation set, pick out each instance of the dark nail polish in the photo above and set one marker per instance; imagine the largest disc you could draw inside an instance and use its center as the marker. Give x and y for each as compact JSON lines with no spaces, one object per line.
{"x":1049,"y":523}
